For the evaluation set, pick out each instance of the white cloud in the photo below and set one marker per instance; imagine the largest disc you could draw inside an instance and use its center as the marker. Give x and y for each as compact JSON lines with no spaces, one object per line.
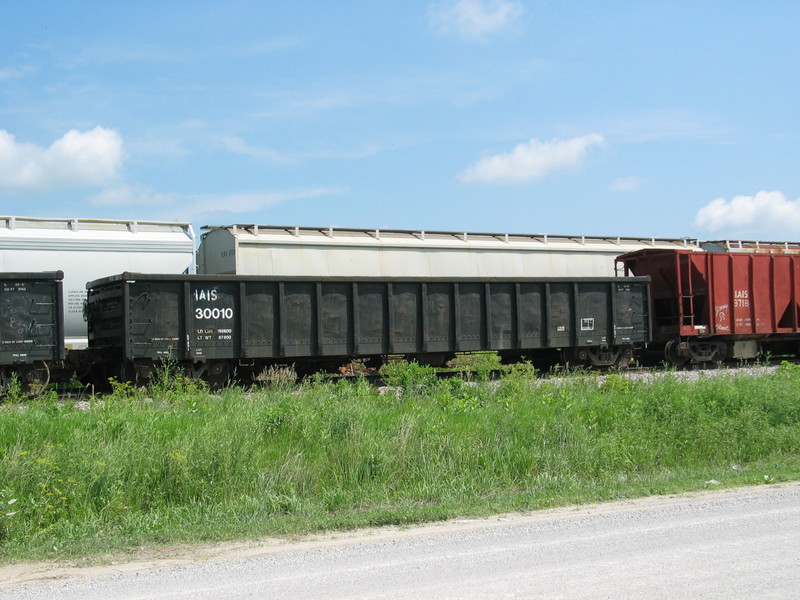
{"x":625,"y":184}
{"x":767,"y":213}
{"x":531,"y":160}
{"x":474,"y":19}
{"x":78,"y":159}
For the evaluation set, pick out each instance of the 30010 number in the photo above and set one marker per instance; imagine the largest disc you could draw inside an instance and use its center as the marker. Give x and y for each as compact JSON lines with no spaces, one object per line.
{"x":213,"y":313}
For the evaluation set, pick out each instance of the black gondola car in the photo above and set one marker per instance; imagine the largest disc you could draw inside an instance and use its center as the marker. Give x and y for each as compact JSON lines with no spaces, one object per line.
{"x":213,"y":324}
{"x":31,"y":326}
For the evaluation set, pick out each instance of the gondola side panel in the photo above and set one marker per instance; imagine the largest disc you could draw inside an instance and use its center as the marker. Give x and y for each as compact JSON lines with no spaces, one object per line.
{"x":335,"y":315}
{"x":262,"y":329}
{"x":371,"y":321}
{"x":592,"y":307}
{"x":31,"y":318}
{"x":154,"y":320}
{"x":214,"y":319}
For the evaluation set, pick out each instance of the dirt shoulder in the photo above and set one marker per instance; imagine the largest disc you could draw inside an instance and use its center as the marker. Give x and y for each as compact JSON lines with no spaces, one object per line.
{"x":152,"y":558}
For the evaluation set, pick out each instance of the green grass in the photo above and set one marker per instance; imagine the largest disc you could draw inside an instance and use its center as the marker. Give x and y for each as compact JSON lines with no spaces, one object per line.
{"x":176,"y":464}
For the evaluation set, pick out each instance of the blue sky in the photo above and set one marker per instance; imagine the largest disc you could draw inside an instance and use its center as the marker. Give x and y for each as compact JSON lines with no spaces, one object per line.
{"x":597,"y":118}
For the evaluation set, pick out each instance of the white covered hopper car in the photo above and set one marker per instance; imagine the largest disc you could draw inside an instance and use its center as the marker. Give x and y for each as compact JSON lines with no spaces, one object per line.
{"x":88,"y":249}
{"x":338,"y":252}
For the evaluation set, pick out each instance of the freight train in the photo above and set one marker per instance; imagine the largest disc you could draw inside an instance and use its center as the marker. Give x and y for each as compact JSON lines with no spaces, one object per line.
{"x":671,"y":299}
{"x":89,"y":249}
{"x":214,"y":325}
{"x":682,"y":305}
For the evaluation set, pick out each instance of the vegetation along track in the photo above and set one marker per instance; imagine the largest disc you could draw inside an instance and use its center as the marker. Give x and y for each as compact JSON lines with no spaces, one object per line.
{"x":175,"y":463}
{"x":469,"y":367}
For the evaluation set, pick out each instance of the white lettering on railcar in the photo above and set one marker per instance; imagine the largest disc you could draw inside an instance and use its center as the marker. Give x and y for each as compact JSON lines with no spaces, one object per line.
{"x":741,"y":298}
{"x":213,"y":313}
{"x":210,"y":295}
{"x":210,"y":316}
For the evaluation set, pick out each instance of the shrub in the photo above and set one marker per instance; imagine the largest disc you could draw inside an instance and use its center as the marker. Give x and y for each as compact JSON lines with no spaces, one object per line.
{"x":409,"y":377}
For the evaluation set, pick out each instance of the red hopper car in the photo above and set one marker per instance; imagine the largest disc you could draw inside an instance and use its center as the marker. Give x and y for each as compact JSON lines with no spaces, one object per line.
{"x":711,"y":306}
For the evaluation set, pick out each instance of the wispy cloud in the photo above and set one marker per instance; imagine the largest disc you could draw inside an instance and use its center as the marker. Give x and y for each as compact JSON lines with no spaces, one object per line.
{"x":646,"y":126}
{"x":166,"y":53}
{"x":765,"y":213}
{"x":420,"y":85}
{"x":531,"y":160}
{"x":474,"y":19}
{"x":255,"y":201}
{"x":17,"y":72}
{"x":302,"y":103}
{"x":193,"y":206}
{"x":133,"y":195}
{"x":625,"y":184}
{"x":237,"y":145}
{"x":78,"y":159}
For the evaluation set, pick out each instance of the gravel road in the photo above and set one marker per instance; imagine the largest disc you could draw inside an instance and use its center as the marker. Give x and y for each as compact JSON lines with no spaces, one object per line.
{"x":741,"y":543}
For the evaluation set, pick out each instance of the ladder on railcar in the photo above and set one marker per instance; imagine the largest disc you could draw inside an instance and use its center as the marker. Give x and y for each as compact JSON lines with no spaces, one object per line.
{"x":687,"y":307}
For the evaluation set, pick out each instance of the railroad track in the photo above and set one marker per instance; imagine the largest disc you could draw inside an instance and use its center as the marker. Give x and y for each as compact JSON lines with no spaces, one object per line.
{"x":686,"y":372}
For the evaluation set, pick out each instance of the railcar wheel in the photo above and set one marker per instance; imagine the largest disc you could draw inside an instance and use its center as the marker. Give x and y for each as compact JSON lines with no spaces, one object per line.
{"x":134,"y":373}
{"x":217,"y":373}
{"x":430,"y":359}
{"x":127,"y":372}
{"x":672,"y":355}
{"x":374,"y":362}
{"x":35,"y":377}
{"x":624,"y":359}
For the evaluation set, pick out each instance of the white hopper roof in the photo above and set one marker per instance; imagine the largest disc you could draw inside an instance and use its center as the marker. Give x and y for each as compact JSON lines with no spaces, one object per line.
{"x":279,"y":250}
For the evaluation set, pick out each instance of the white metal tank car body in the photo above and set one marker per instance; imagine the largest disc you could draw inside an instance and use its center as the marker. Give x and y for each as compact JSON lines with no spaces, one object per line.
{"x":88,"y":249}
